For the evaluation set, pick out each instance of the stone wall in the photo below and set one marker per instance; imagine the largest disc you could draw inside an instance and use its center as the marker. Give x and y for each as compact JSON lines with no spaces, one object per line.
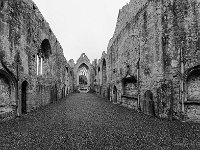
{"x":138,"y":37}
{"x":103,"y":86}
{"x":157,"y":42}
{"x":155,"y":49}
{"x":28,"y":44}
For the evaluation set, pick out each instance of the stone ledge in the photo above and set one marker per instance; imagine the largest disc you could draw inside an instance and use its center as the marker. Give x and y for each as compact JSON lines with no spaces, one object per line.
{"x":192,"y":103}
{"x":130,"y":97}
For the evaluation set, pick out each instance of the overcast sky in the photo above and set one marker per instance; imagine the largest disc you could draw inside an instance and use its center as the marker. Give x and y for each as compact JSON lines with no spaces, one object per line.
{"x":82,"y":26}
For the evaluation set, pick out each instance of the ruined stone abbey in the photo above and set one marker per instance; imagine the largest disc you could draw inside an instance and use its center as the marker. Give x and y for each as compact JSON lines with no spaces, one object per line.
{"x":152,"y":62}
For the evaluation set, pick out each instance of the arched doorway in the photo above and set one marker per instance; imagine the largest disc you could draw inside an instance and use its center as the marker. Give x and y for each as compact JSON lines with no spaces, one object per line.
{"x":115,"y":94}
{"x":192,"y":95}
{"x":108,"y":91}
{"x":63,"y":92}
{"x":55,"y":94}
{"x":100,"y":89}
{"x":148,"y":103}
{"x":24,"y":88}
{"x":193,"y":85}
{"x":52,"y":94}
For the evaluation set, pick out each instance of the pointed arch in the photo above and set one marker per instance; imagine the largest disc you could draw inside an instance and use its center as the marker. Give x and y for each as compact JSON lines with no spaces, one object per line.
{"x":45,"y":48}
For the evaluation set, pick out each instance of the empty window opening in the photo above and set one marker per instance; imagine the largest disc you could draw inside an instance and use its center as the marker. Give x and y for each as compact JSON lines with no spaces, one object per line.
{"x":45,"y":49}
{"x":34,"y":8}
{"x":129,"y":86}
{"x":2,"y":4}
{"x":43,"y":55}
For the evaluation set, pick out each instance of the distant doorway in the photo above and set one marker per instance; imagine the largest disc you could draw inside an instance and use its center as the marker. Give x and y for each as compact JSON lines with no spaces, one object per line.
{"x":63,"y":92}
{"x":108,"y":91}
{"x":24,"y":97}
{"x":148,"y":104}
{"x":83,"y":80}
{"x":115,"y":94}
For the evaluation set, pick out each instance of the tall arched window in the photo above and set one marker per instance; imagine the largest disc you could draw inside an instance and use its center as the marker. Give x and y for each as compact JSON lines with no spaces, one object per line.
{"x":43,"y":53}
{"x":83,"y":77}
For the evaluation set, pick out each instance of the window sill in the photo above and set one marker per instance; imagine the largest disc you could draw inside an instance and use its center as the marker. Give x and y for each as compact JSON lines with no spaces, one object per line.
{"x":130,"y":96}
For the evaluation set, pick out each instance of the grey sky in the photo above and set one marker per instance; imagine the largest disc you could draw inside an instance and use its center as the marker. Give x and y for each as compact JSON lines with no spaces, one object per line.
{"x":82,"y":25}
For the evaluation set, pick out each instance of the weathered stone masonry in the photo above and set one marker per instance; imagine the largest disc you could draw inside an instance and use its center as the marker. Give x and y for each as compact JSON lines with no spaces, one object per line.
{"x":152,"y":60}
{"x":33,"y":69}
{"x":151,"y":63}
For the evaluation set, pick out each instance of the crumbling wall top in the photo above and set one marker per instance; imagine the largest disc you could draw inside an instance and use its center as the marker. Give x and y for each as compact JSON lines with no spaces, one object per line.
{"x":125,"y":15}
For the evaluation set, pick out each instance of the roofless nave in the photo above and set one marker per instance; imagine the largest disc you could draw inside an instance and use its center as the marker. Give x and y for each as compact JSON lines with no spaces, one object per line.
{"x":151,"y":63}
